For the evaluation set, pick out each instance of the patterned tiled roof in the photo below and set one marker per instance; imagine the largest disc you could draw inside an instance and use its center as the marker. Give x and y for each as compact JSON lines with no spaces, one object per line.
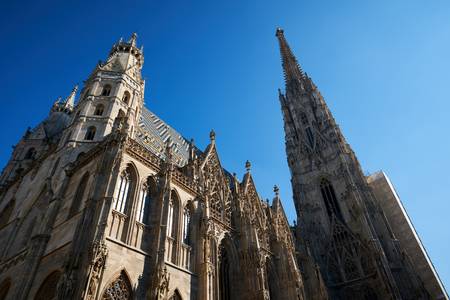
{"x":153,"y":134}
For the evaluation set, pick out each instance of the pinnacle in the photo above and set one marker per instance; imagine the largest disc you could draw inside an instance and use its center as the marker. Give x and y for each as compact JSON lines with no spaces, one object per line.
{"x":248,"y":166}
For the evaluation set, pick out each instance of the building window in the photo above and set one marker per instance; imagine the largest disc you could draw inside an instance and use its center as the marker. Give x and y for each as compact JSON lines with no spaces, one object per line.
{"x":187,"y":226}
{"x":126,"y":97}
{"x":31,"y":153}
{"x":106,"y":90}
{"x":124,"y":187}
{"x":99,"y":110}
{"x":47,"y":290}
{"x":170,"y":230}
{"x":172,"y":221}
{"x":143,"y":208}
{"x":329,"y":197}
{"x":310,"y":136}
{"x":120,"y":288}
{"x":78,"y":198}
{"x":4,"y":288}
{"x":90,"y":133}
{"x":6,"y":213}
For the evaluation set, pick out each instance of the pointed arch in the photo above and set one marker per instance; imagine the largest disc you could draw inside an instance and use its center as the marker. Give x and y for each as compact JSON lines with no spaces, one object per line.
{"x":224,"y":268}
{"x":173,"y":222}
{"x":90,"y":133}
{"x":146,"y":194}
{"x":47,"y":290}
{"x":188,"y":212}
{"x":271,"y":283}
{"x":329,"y":198}
{"x":79,"y":195}
{"x":106,"y":91}
{"x":126,"y":189}
{"x":119,"y":288}
{"x":176,"y":295}
{"x":31,"y":153}
{"x":99,"y":109}
{"x":5,"y":215}
{"x":4,"y":288}
{"x":126,"y":97}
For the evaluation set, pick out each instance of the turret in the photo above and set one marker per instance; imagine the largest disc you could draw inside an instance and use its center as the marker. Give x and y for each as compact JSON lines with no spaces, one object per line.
{"x":115,"y":89}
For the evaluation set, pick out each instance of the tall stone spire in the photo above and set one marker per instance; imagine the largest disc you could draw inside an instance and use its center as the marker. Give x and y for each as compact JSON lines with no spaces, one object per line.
{"x":293,"y":74}
{"x":335,"y":207}
{"x":70,"y":100}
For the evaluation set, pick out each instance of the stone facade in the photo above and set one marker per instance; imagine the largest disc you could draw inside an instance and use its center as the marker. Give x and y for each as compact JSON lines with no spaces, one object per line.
{"x":103,"y":200}
{"x":346,"y":246}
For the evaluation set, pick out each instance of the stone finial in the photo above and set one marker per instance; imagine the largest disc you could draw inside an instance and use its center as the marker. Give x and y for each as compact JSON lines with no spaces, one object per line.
{"x":248,"y":166}
{"x":276,"y":190}
{"x":133,"y":38}
{"x":279,"y":31}
{"x":212,"y":135}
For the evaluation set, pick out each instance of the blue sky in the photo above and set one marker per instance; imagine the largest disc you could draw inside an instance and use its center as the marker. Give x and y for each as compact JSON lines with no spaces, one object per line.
{"x":382,"y":67}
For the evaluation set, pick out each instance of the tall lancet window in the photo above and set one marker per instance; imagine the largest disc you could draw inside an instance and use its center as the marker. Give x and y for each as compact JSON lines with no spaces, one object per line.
{"x":124,"y":188}
{"x":172,"y":221}
{"x":143,"y":205}
{"x":186,"y":226}
{"x":329,"y":197}
{"x":308,"y":130}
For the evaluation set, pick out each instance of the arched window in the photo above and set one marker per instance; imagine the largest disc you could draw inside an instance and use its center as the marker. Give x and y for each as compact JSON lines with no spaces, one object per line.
{"x":119,"y":289}
{"x":329,"y":197}
{"x":106,"y":90}
{"x":124,"y":187}
{"x":187,"y":226}
{"x":6,"y":213}
{"x":47,"y":290}
{"x":143,"y":208}
{"x":127,"y":183}
{"x":90,"y":133}
{"x":172,"y":221}
{"x":176,"y":296}
{"x":78,"y":198}
{"x":99,"y":110}
{"x":308,"y":130}
{"x":126,"y":97}
{"x":4,"y":288}
{"x":31,"y":153}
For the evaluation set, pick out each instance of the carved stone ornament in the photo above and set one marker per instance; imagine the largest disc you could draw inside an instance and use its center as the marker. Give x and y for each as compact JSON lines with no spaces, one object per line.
{"x":164,"y":280}
{"x":98,"y":258}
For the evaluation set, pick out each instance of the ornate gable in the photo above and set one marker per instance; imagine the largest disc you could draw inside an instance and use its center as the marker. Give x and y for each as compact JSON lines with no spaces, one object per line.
{"x":216,"y":186}
{"x":252,"y":208}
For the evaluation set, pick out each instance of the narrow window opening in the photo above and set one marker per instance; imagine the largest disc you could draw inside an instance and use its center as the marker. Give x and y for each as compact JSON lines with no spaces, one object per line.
{"x":126,"y":97}
{"x":187,"y":226}
{"x":106,"y":90}
{"x":329,"y":197}
{"x":90,"y":133}
{"x":99,"y":110}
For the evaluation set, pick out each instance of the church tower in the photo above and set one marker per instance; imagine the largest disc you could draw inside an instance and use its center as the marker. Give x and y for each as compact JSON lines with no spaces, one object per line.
{"x":340,"y":224}
{"x":113,"y":91}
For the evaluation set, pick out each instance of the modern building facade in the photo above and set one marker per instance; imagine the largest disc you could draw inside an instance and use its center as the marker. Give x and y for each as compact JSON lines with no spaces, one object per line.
{"x":104,"y":200}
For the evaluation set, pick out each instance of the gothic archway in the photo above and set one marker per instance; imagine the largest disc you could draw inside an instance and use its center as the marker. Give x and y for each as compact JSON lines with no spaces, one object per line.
{"x":119,"y":289}
{"x":4,"y":289}
{"x":47,"y":290}
{"x":224,"y":274}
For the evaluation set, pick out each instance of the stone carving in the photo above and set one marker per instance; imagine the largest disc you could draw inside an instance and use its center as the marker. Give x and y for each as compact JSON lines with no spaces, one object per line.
{"x":98,"y":257}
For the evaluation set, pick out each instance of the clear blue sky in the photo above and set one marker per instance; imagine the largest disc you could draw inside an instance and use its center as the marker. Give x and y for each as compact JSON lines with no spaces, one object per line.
{"x":381,"y":65}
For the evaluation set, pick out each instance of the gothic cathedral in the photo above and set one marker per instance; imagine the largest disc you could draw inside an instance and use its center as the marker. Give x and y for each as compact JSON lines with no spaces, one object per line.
{"x":104,"y":200}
